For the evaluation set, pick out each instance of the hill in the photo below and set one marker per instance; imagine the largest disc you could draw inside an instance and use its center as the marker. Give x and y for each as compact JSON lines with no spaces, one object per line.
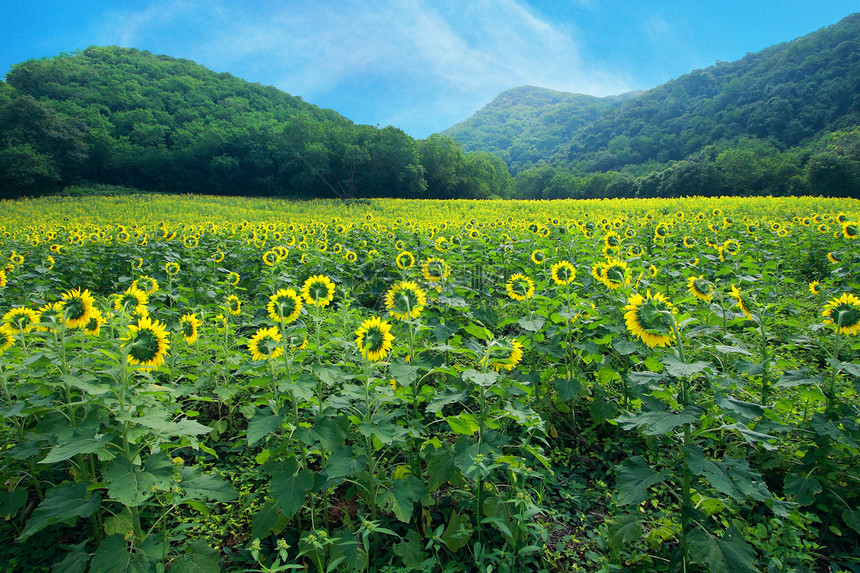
{"x":126,"y":117}
{"x":780,"y":121}
{"x":527,"y":124}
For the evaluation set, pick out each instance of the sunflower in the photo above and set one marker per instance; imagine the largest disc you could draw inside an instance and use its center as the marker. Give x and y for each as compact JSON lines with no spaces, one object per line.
{"x":148,"y":343}
{"x":405,"y":260}
{"x":614,"y":274}
{"x":435,"y":270}
{"x":814,"y":287}
{"x":136,"y":263}
{"x":405,"y":300}
{"x":635,"y":250}
{"x":77,"y":307}
{"x":233,"y":279}
{"x":652,"y":271}
{"x":264,"y":345}
{"x":318,"y":290}
{"x":3,"y":281}
{"x":190,"y":241}
{"x":563,"y":273}
{"x":743,"y":301}
{"x":147,"y":284}
{"x":218,"y":256}
{"x":94,"y":324}
{"x":844,"y":313}
{"x":700,"y":288}
{"x":831,"y":256}
{"x":188,"y":324}
{"x":661,"y":231}
{"x":172,"y":268}
{"x":270,"y":258}
{"x":284,"y":305}
{"x":732,"y":247}
{"x":350,"y":256}
{"x":650,"y":318}
{"x":7,"y":337}
{"x":133,"y":295}
{"x":612,"y":239}
{"x":850,"y":230}
{"x":373,"y":338}
{"x":234,"y":305}
{"x":21,"y":320}
{"x":520,"y":287}
{"x":50,"y":316}
{"x":538,"y":257}
{"x":504,"y":355}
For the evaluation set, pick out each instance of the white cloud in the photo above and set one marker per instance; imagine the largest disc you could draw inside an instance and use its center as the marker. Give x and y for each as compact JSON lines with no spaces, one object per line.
{"x":454,"y":55}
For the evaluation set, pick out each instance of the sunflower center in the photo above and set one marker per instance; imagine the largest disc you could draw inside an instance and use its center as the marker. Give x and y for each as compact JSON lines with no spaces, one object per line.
{"x":145,"y":347}
{"x":655,"y":318}
{"x":847,"y":315}
{"x":75,"y":309}
{"x":702,"y":286}
{"x":373,"y":340}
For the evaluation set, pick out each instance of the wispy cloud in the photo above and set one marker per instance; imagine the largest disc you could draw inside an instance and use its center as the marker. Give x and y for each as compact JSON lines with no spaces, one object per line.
{"x":450,"y":56}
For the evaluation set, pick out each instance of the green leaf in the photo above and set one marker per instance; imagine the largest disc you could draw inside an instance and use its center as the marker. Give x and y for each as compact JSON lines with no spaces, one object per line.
{"x":12,"y":501}
{"x":532,"y":325}
{"x":745,"y":410}
{"x":441,"y":468}
{"x":825,"y":427}
{"x":567,"y":389}
{"x":199,"y":558}
{"x":127,"y":483}
{"x":485,"y":379}
{"x":680,"y":369}
{"x":729,"y":554}
{"x":731,"y":349}
{"x":399,"y":499}
{"x":78,"y":443}
{"x":87,"y":382}
{"x":290,"y":491}
{"x":75,"y":561}
{"x":457,"y":532}
{"x":63,"y":504}
{"x":404,"y":372}
{"x":851,"y":517}
{"x":270,"y":519}
{"x":198,"y":485}
{"x":184,"y":427}
{"x":121,"y":523}
{"x":802,"y":487}
{"x":656,"y":420}
{"x":624,"y":529}
{"x":751,"y":437}
{"x":624,"y":347}
{"x":411,"y":550}
{"x":797,"y":378}
{"x":263,"y":423}
{"x":635,"y":476}
{"x":465,"y":423}
{"x":113,"y":556}
{"x":730,"y":476}
{"x":341,"y":463}
{"x":478,"y":331}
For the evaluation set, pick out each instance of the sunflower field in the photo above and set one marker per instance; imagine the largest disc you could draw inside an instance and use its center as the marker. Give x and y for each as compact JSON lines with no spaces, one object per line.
{"x":201,"y":383}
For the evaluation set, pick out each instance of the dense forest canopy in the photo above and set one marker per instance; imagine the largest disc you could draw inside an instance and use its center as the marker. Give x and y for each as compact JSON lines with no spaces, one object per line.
{"x":783,"y":121}
{"x":126,"y":117}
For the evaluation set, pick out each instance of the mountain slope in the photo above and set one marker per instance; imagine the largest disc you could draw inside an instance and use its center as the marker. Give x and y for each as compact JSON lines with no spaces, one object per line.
{"x":786,"y":94}
{"x":526,"y":124}
{"x":126,"y":117}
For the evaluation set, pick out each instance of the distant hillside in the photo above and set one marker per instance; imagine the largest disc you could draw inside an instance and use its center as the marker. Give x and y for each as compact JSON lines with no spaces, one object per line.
{"x":527,"y":124}
{"x":785,"y":95}
{"x":120,"y":116}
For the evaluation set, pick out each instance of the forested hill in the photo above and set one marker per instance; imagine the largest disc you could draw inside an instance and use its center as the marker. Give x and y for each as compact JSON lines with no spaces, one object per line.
{"x":781,"y":121}
{"x":120,"y":116}
{"x":527,"y":124}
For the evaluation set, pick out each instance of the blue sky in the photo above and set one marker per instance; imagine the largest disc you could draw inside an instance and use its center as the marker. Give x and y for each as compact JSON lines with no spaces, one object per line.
{"x":421,"y":65}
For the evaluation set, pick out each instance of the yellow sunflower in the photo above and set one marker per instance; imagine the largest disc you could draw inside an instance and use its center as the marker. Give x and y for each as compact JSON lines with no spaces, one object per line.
{"x":814,"y":287}
{"x":318,"y":290}
{"x":405,"y":260}
{"x":832,"y":257}
{"x":700,"y":288}
{"x":505,"y":354}
{"x":22,"y":320}
{"x":844,"y":313}
{"x":77,"y":307}
{"x":189,"y":325}
{"x":650,"y":318}
{"x":405,"y":300}
{"x":538,"y":257}
{"x":218,"y":256}
{"x":94,"y":324}
{"x":284,"y":305}
{"x":3,"y":281}
{"x":520,"y":287}
{"x":233,"y":279}
{"x":373,"y":339}
{"x":132,"y":299}
{"x":172,"y":268}
{"x":7,"y":337}
{"x":563,"y":273}
{"x":743,"y":301}
{"x":264,"y":345}
{"x":234,"y":305}
{"x":50,"y":316}
{"x":147,"y":284}
{"x":850,"y":230}
{"x":614,"y":274}
{"x":148,"y":343}
{"x":435,"y":270}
